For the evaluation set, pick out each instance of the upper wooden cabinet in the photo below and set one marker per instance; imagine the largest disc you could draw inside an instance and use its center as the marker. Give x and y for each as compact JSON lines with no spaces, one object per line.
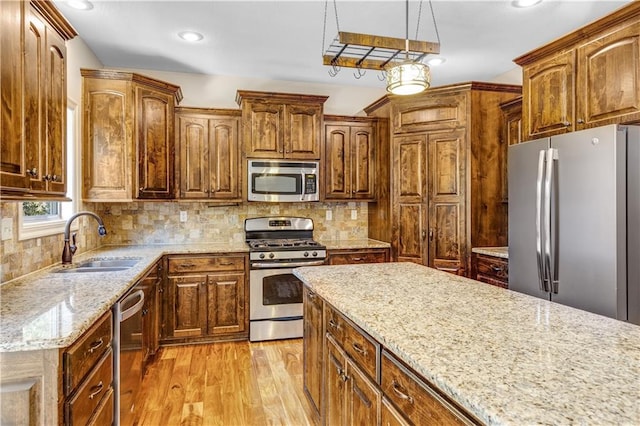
{"x":34,"y":100}
{"x":350,"y":161}
{"x":446,"y":179}
{"x":128,"y":134}
{"x":281,"y":125}
{"x":588,"y":78}
{"x":511,"y":135}
{"x":208,"y":154}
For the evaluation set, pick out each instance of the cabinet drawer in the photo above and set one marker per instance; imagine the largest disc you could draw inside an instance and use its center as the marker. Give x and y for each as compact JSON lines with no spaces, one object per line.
{"x":492,"y":270}
{"x":180,"y":265}
{"x":104,"y":413}
{"x":360,"y":347}
{"x":416,"y":400}
{"x":80,"y":408}
{"x":80,"y":357}
{"x":355,"y":257}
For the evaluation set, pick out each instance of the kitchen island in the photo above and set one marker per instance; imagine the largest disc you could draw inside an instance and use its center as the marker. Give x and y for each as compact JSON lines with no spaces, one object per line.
{"x":505,"y":357}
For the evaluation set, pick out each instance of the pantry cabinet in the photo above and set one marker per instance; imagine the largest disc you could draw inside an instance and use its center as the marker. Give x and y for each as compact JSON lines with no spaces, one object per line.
{"x":205,"y":299}
{"x":350,"y":160}
{"x":34,"y":100}
{"x":281,"y":125}
{"x":128,"y":134}
{"x":208,"y":154}
{"x":588,"y":78}
{"x":445,"y":173}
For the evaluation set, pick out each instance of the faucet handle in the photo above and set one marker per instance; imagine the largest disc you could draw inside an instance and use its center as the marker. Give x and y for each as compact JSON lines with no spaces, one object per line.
{"x":73,"y":246}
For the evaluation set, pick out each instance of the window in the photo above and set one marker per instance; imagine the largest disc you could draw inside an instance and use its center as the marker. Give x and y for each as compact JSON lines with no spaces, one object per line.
{"x":40,"y":218}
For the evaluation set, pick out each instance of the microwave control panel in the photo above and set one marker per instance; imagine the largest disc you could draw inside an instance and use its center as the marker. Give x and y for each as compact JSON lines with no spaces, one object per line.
{"x":310,"y":185}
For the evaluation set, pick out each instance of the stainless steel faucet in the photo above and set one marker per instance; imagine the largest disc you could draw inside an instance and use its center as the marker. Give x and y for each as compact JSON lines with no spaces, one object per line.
{"x":70,"y":249}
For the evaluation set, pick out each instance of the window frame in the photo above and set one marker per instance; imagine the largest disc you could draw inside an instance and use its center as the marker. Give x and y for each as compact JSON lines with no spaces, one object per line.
{"x":29,"y":229}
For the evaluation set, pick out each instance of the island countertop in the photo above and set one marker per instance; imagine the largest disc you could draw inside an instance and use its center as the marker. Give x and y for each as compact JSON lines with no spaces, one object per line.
{"x":506,"y":357}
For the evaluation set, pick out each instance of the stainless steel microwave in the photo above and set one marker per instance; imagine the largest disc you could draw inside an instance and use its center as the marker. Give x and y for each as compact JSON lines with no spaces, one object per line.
{"x":282,"y":181}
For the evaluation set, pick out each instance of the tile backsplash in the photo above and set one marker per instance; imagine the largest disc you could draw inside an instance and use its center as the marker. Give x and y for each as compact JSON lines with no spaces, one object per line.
{"x":159,"y":223}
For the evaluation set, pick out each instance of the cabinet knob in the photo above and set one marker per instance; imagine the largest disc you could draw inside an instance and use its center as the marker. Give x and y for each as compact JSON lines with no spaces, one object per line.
{"x":54,"y":178}
{"x":141,"y":189}
{"x":580,"y":121}
{"x":566,"y":123}
{"x":33,"y":172}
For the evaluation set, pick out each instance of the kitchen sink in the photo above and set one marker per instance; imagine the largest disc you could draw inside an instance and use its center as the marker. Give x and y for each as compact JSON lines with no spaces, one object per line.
{"x":99,"y":265}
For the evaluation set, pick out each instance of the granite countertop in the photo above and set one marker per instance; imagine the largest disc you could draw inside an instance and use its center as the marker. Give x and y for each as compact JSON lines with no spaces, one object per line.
{"x":502,"y":252}
{"x":366,"y":243}
{"x":506,"y":357}
{"x":47,"y":310}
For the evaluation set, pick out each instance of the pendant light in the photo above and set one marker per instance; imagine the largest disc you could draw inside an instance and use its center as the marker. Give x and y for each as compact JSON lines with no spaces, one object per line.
{"x":408,"y":77}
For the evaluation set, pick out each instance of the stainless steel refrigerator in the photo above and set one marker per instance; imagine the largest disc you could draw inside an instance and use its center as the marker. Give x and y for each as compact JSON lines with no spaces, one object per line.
{"x":574,"y":220}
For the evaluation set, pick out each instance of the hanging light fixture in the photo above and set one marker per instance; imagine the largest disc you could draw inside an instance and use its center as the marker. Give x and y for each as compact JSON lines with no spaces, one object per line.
{"x":408,"y":77}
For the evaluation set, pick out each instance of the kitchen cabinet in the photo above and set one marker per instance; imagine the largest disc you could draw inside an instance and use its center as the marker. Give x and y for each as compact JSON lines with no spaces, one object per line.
{"x":312,"y":349}
{"x":281,"y":125}
{"x":350,"y":160}
{"x":87,"y":372}
{"x":205,"y":299}
{"x":511,"y":135}
{"x":445,"y":178}
{"x":208,"y":154}
{"x":128,"y":134}
{"x":351,"y":256}
{"x":587,"y":78}
{"x":490,"y":269}
{"x":151,"y":284}
{"x":34,"y":100}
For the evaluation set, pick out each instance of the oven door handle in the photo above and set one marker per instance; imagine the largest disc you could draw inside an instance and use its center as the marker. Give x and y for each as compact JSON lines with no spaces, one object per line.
{"x":128,"y":313}
{"x":267,"y":265}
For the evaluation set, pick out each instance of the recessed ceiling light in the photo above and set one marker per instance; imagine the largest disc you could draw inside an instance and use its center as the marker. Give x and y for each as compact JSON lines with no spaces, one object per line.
{"x":190,"y":36}
{"x":80,"y":4}
{"x":525,"y":3}
{"x":438,"y":60}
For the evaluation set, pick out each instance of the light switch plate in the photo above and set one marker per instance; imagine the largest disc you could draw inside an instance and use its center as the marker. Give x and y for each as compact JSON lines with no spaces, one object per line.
{"x":329,"y":215}
{"x":354,"y":214}
{"x":7,"y":228}
{"x":183,"y":216}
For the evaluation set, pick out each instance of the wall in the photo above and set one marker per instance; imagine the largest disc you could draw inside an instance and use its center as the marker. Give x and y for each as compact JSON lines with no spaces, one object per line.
{"x":158,"y":223}
{"x":21,"y":257}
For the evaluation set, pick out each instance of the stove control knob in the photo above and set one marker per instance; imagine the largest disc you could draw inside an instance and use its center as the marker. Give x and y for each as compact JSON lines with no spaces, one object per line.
{"x":306,"y":254}
{"x":271,"y":255}
{"x":261,"y":256}
{"x":315,"y":253}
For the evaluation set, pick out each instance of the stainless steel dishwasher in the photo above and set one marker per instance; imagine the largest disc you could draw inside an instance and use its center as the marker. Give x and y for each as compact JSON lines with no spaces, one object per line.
{"x":127,"y":348}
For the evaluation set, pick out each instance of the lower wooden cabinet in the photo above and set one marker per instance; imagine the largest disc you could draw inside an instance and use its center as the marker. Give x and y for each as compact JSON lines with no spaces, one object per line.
{"x":490,"y":269}
{"x":205,"y":298}
{"x":151,"y":285}
{"x":354,"y":256}
{"x":389,"y":416}
{"x":312,"y":342}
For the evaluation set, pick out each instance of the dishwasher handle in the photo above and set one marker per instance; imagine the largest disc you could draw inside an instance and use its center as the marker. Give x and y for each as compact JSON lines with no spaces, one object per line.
{"x":137,"y":307}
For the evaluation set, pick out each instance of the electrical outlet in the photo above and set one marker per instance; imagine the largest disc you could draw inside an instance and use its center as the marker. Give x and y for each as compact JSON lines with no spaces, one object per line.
{"x":183,"y":216}
{"x":7,"y":228}
{"x":354,"y":214}
{"x":329,"y":215}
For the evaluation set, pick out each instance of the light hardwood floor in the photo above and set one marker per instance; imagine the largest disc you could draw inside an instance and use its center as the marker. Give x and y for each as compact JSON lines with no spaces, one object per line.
{"x":230,"y":384}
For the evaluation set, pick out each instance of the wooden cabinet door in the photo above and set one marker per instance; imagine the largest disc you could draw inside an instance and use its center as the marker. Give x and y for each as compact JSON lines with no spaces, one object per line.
{"x":608,"y":79}
{"x":363,"y":398}
{"x":225,"y":303}
{"x":263,"y":132}
{"x":312,"y":348}
{"x":302,"y":135}
{"x":107,"y":130}
{"x":362,"y":162}
{"x":447,"y":188}
{"x":155,"y":143}
{"x":409,"y":194}
{"x":194,"y":157}
{"x":511,"y":135}
{"x":338,"y":164}
{"x":223,"y":159}
{"x":389,"y":416}
{"x":549,"y":93}
{"x":334,"y":386}
{"x":187,"y":310}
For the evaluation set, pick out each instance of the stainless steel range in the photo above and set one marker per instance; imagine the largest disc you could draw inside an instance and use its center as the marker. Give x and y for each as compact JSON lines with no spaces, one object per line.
{"x":276,"y":246}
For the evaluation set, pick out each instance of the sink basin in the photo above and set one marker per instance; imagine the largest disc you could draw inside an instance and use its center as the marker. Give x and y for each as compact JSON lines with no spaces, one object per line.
{"x":99,"y":265}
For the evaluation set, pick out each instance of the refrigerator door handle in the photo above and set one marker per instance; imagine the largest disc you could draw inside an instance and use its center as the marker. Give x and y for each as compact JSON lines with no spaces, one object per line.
{"x":550,"y":271}
{"x":539,"y":178}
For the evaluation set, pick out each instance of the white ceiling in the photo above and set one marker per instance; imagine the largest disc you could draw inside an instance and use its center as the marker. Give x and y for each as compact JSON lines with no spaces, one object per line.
{"x":282,"y":40}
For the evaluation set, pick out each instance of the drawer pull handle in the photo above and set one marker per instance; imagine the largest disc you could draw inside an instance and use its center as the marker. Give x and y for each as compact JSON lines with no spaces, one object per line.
{"x":334,"y":324}
{"x":358,"y":348}
{"x":226,"y":264}
{"x":357,"y":259}
{"x":187,"y":265}
{"x":399,"y":390}
{"x":311,"y":296}
{"x":496,"y":268}
{"x":96,"y":390}
{"x":95,"y":345}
